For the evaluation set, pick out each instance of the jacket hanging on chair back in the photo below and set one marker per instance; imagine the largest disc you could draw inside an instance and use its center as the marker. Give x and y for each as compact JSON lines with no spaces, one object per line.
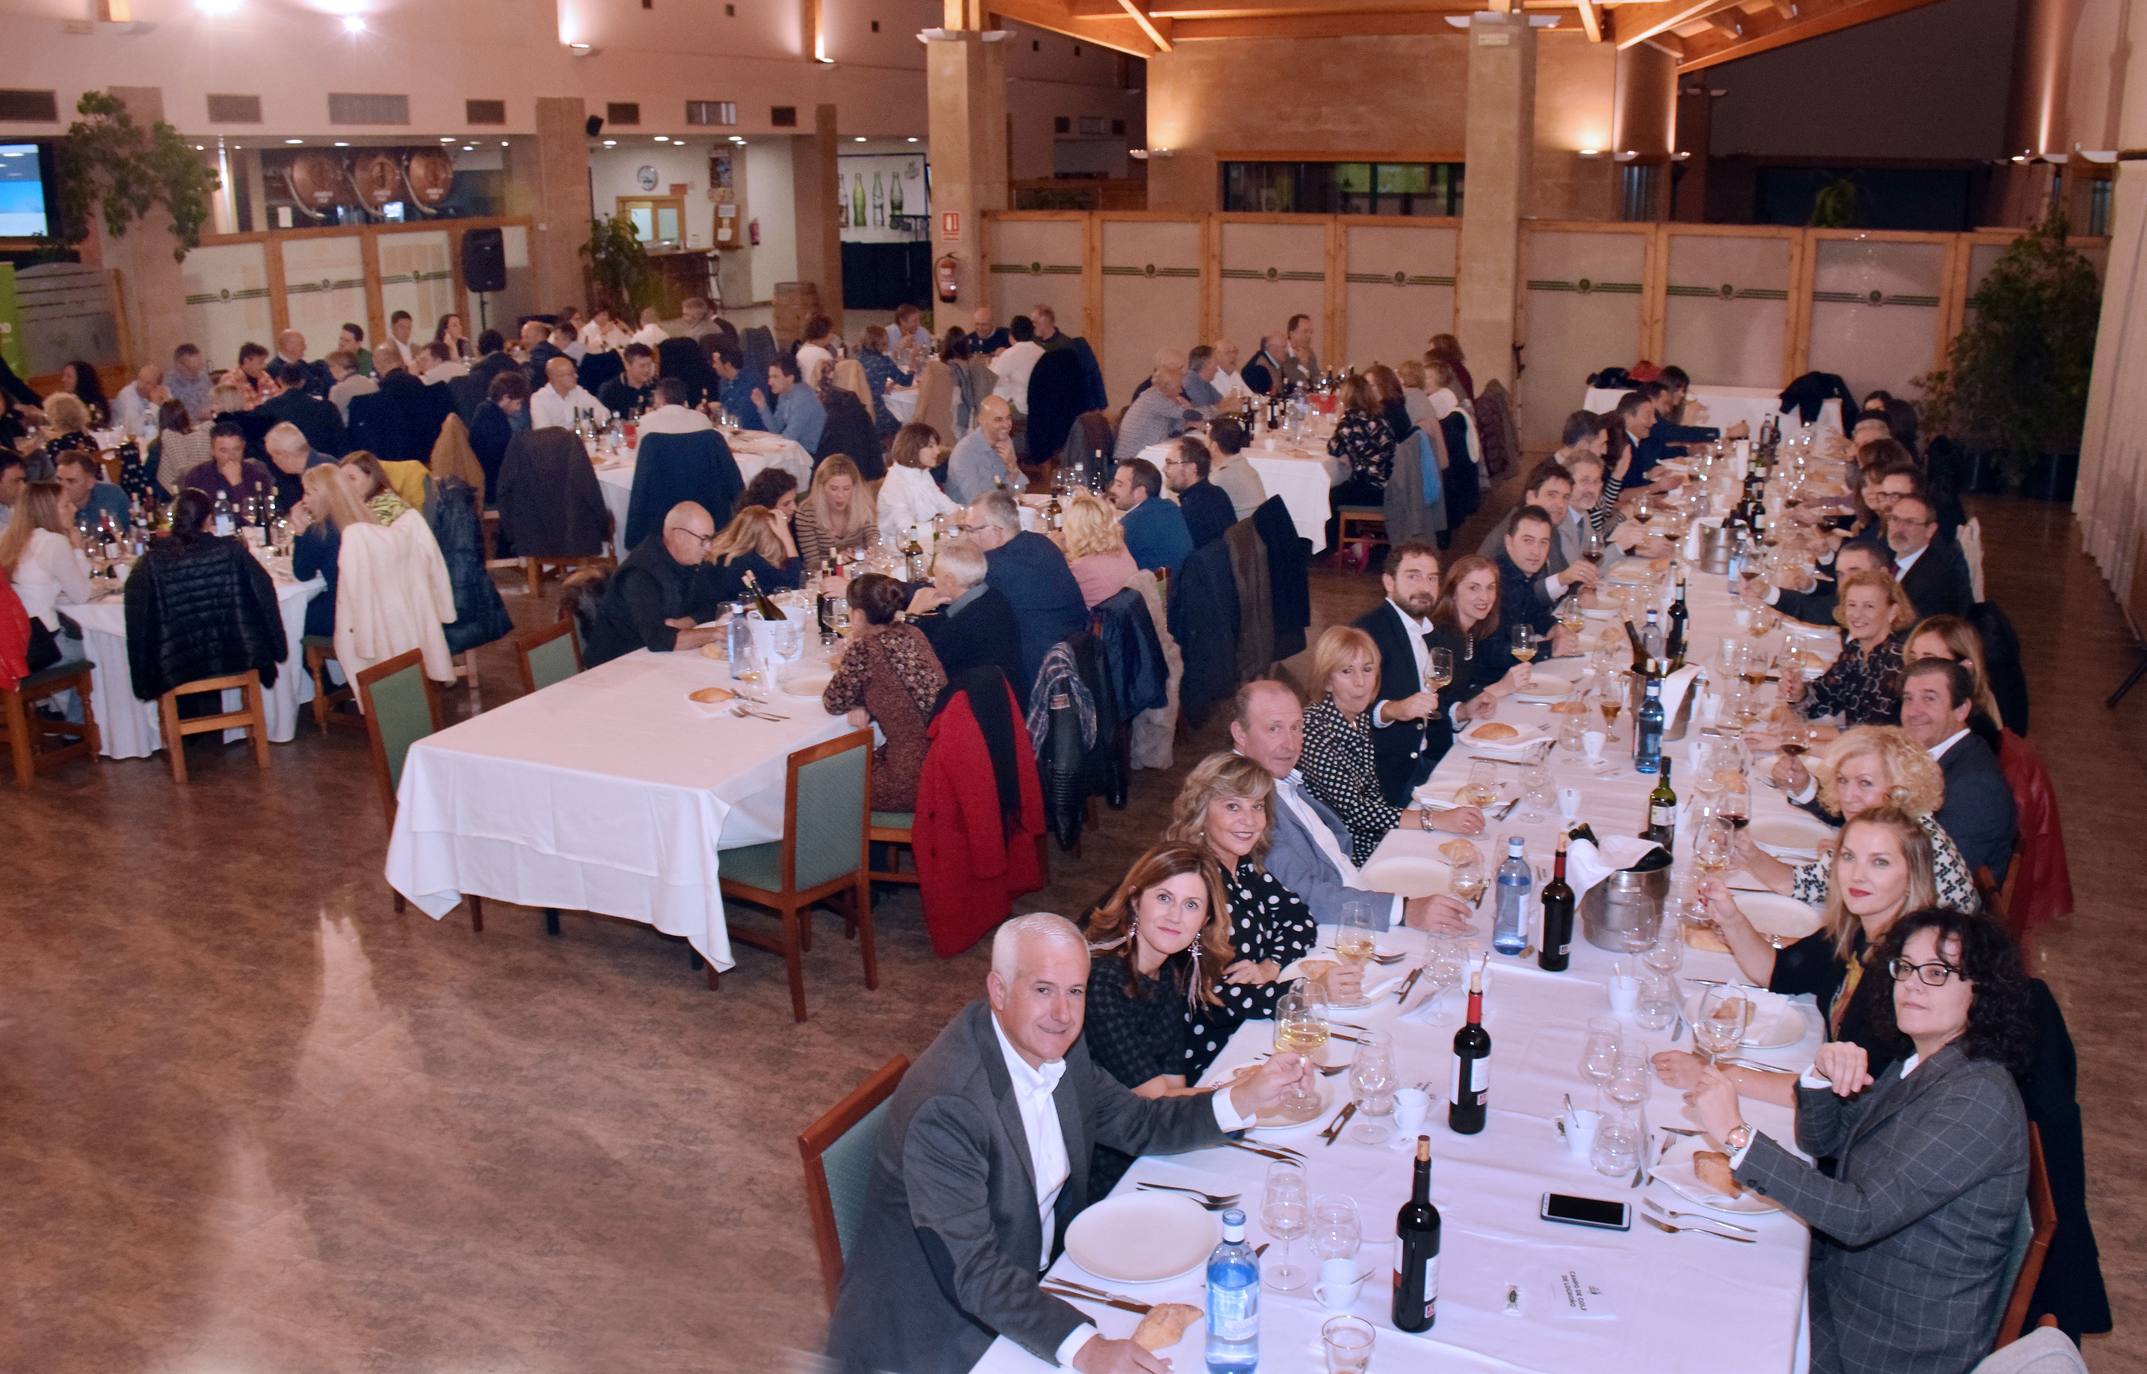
{"x":480,"y":615}
{"x":980,"y":813}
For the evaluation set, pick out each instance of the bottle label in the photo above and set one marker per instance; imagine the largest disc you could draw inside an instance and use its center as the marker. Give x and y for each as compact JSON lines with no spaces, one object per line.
{"x":1431,"y":1288}
{"x":1661,"y":816}
{"x":1474,"y":1080}
{"x":1234,"y":1313}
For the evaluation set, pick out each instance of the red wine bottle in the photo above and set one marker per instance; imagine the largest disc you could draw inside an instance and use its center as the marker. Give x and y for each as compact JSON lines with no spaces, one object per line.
{"x":1416,"y":1251}
{"x":1470,"y":1092}
{"x":1557,"y":951}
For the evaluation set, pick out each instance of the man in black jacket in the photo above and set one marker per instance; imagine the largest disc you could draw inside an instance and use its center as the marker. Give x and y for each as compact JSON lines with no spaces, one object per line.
{"x":634,"y":390}
{"x":968,"y":623}
{"x":1932,"y":572}
{"x":316,"y":418}
{"x":661,"y":593}
{"x":1410,"y":734}
{"x":1978,"y":812}
{"x":1526,"y":588}
{"x":1207,"y":507}
{"x":1816,"y":606}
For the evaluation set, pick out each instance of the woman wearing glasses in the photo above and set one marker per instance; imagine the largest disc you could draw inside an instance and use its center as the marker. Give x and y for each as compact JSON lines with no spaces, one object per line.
{"x":1913,"y":1232}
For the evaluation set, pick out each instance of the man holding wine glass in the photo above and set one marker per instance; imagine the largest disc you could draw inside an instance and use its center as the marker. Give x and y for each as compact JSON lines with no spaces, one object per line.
{"x":1409,"y":735}
{"x":1527,"y":591}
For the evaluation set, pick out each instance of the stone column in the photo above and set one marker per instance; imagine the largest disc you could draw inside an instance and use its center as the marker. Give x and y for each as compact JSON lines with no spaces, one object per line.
{"x":965,"y":88}
{"x":815,"y":182}
{"x":146,"y":277}
{"x":562,"y":210}
{"x":1500,"y":142}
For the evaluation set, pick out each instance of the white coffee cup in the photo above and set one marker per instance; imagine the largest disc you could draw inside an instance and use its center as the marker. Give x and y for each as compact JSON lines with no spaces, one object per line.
{"x":1569,"y":804}
{"x":1411,"y":1106}
{"x":1592,"y":744}
{"x":1340,"y":1283}
{"x":1624,"y":990}
{"x":1580,"y":1131}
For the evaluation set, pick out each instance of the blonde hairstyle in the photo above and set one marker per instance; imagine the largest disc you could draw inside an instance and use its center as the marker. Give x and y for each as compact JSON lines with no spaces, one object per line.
{"x":1904,"y":611}
{"x":66,"y":412}
{"x":1914,"y":784}
{"x":1411,"y":372}
{"x":1336,"y":647}
{"x":849,"y":375}
{"x":752,"y":530}
{"x":1965,"y":646}
{"x":1220,"y":777}
{"x":330,"y":500}
{"x":1438,"y":373}
{"x":225,"y":398}
{"x":1922,"y":870}
{"x":863,"y":508}
{"x":376,"y":475}
{"x":909,"y":443}
{"x":38,"y":508}
{"x":1110,"y":926}
{"x":1091,"y":527}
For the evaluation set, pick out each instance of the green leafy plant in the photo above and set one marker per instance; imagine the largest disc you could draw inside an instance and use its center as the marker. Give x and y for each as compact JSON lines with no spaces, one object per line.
{"x":619,"y":263}
{"x":1838,"y":205}
{"x":2016,"y":376}
{"x":112,"y":167}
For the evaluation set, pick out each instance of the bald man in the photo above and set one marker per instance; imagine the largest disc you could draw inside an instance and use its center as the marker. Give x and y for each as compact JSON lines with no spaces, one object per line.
{"x":985,"y":456}
{"x":1158,"y":413}
{"x":662,"y":593}
{"x":555,"y":404}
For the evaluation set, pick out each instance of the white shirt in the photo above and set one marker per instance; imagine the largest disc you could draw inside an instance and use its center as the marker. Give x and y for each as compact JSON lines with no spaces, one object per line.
{"x":442,"y":373}
{"x":406,"y":351}
{"x":1904,"y":561}
{"x":1013,"y":367}
{"x":650,"y":334}
{"x":1291,"y":790}
{"x":812,"y":361}
{"x":1417,"y":630}
{"x":131,"y":410}
{"x":909,"y":498}
{"x":1229,"y":384}
{"x":675,"y":420}
{"x":1938,"y":750}
{"x":550,"y":410}
{"x":51,"y":574}
{"x":598,"y":338}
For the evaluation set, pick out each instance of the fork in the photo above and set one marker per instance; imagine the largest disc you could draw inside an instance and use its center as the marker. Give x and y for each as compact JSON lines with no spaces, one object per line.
{"x":1695,"y":1216}
{"x":1675,"y":1229}
{"x":1211,"y":1201}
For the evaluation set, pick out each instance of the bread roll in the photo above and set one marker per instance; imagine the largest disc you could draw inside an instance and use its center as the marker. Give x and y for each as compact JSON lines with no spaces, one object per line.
{"x":1497,"y":730}
{"x":1165,"y":1325}
{"x":1713,"y":1167}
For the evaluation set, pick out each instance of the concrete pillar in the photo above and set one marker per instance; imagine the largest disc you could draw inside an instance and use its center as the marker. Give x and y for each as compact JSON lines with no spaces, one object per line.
{"x":965,"y":91}
{"x":815,"y":182}
{"x":1500,"y":144}
{"x":149,"y":287}
{"x":563,"y":208}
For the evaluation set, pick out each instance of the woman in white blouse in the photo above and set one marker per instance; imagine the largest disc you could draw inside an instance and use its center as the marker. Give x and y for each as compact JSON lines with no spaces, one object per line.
{"x":908,"y":497}
{"x":41,"y":551}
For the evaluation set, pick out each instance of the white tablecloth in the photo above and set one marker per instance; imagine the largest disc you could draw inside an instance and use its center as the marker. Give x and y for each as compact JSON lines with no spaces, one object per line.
{"x":1679,"y":1302}
{"x":901,"y":403}
{"x":753,"y":450}
{"x":1725,"y":405}
{"x":608,"y":792}
{"x":128,"y":728}
{"x":1301,"y":474}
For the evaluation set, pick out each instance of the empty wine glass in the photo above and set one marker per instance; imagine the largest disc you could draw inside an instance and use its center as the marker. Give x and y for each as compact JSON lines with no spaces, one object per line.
{"x":1535,"y":791}
{"x":1667,"y":954}
{"x":1724,"y":1014}
{"x":1372,"y":1079}
{"x":1630,"y":1078}
{"x":1616,"y":1151}
{"x":1467,"y":880}
{"x":1286,"y":1212}
{"x":1599,"y":1055}
{"x":1657,"y":1004}
{"x":1336,"y":1231}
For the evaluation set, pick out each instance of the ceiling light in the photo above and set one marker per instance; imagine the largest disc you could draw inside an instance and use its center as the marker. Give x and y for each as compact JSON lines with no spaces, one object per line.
{"x":1681,"y":156}
{"x":912,"y":138}
{"x":2019,"y":158}
{"x":445,"y":139}
{"x":354,"y":23}
{"x":2101,"y":157}
{"x":857,"y":138}
{"x":581,"y":49}
{"x":294,"y":140}
{"x":199,"y":148}
{"x":217,"y":6}
{"x":342,"y":143}
{"x":1628,"y":155}
{"x":1591,"y":152}
{"x":611,"y":143}
{"x":663,"y":138}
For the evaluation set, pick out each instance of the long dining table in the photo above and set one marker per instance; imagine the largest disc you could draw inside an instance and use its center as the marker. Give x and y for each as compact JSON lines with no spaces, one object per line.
{"x":1657,"y":1301}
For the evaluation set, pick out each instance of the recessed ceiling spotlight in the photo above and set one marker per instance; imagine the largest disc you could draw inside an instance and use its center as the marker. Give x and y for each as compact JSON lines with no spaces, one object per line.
{"x":857,"y":138}
{"x":354,"y":23}
{"x":913,"y":138}
{"x":342,"y":143}
{"x":663,"y":138}
{"x":294,"y":140}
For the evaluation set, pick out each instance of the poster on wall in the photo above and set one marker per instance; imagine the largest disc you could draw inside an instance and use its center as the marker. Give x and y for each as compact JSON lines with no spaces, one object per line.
{"x":723,"y":193}
{"x":883,"y":197}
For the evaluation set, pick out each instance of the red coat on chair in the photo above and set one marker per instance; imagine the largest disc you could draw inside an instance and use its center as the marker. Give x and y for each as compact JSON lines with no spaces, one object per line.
{"x":14,"y":636}
{"x":2040,"y":880}
{"x":970,"y":869}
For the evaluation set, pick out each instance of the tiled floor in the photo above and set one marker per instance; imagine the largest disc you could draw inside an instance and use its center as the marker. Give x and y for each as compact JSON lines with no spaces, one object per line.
{"x":252,"y":1121}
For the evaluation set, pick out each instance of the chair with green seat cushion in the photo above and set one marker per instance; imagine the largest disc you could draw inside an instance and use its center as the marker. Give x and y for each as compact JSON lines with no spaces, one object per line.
{"x":827,"y":796}
{"x":894,"y":828}
{"x":548,"y":656}
{"x":401,"y":707}
{"x":838,"y":1150}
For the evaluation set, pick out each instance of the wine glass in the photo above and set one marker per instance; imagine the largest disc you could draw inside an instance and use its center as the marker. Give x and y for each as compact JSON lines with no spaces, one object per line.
{"x":1630,"y":1077}
{"x":1724,"y":1014}
{"x":1336,"y":1231}
{"x":1616,"y":1151}
{"x":1482,"y":787}
{"x":1599,"y":1054}
{"x":1713,"y":851}
{"x":1301,"y":1028}
{"x":1446,"y":960}
{"x":1286,"y":1212}
{"x":1734,"y":807}
{"x":1524,"y":642}
{"x":1466,"y":880}
{"x":1356,"y":940}
{"x":1667,"y":954}
{"x":1591,"y":542}
{"x":1441,"y":665}
{"x":1373,"y":1079}
{"x":1535,"y":791}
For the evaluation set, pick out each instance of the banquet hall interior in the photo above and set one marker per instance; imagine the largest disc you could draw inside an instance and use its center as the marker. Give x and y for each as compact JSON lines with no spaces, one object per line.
{"x":569,"y":567}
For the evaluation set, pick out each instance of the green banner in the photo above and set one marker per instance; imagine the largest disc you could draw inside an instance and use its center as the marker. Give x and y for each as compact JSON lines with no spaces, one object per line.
{"x":11,"y":321}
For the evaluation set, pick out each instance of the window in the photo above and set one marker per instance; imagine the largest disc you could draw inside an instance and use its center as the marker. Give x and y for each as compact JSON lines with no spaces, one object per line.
{"x":783,"y":116}
{"x":1430,"y":189}
{"x":656,"y":219}
{"x":711,"y":112}
{"x":1640,"y":187}
{"x":2098,"y":207}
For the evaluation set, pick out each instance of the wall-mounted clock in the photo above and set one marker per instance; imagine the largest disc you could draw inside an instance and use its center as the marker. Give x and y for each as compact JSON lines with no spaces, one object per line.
{"x":646,"y":177}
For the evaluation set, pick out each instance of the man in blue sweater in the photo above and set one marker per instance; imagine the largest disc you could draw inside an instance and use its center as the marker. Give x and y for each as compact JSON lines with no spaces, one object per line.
{"x":1030,"y":572}
{"x":1156,"y":533}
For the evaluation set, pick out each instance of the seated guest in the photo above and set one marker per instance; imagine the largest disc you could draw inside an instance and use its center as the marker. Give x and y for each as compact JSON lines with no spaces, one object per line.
{"x":134,"y":409}
{"x":190,"y":381}
{"x":837,"y":516}
{"x":1409,"y":737}
{"x":67,"y":430}
{"x":452,"y":332}
{"x":662,"y":592}
{"x":1227,"y":381}
{"x":16,"y":425}
{"x":251,"y":375}
{"x":984,"y":337}
{"x":736,"y":391}
{"x":775,"y":490}
{"x":1913,"y":1230}
{"x":1933,"y":573}
{"x":882,"y":372}
{"x":1032,"y":573}
{"x":797,"y":414}
{"x":198,"y":606}
{"x":1629,"y":428}
{"x":1863,"y":685}
{"x":493,"y":360}
{"x":1232,"y":471}
{"x":1527,"y":589}
{"x":41,"y":553}
{"x":960,"y":1216}
{"x":1160,"y":943}
{"x":1362,"y":440}
{"x":1677,"y":388}
{"x":1310,"y":853}
{"x":969,"y":622}
{"x":1300,"y":365}
{"x":1817,"y":604}
{"x":984,"y":458}
{"x":398,"y":347}
{"x":1868,"y":766}
{"x":229,"y":473}
{"x":888,"y":676}
{"x":1338,"y":767}
{"x":1978,"y":812}
{"x":634,"y":389}
{"x":1201,"y":391}
{"x":350,"y":338}
{"x":1416,"y":394}
{"x":816,"y":351}
{"x":1446,"y":349}
{"x":11,"y":483}
{"x":367,"y":478}
{"x":1159,"y":412}
{"x":561,"y":400}
{"x":1013,"y":364}
{"x":317,"y":523}
{"x":438,"y":365}
{"x":182,"y":445}
{"x":96,"y":502}
{"x":1393,"y":405}
{"x":909,"y":500}
{"x":1095,"y":548}
{"x":604,"y":333}
{"x":651,"y":331}
{"x":290,"y":453}
{"x":1953,"y":639}
{"x":1466,"y":624}
{"x":347,"y":382}
{"x":1156,"y":533}
{"x":1208,"y":509}
{"x":1549,"y":489}
{"x":753,"y":542}
{"x":82,"y":381}
{"x":504,"y":414}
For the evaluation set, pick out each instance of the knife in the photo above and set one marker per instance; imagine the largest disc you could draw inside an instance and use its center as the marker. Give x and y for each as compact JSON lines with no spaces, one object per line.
{"x":1341,"y":1119}
{"x":1409,"y":984}
{"x":1120,"y":1303}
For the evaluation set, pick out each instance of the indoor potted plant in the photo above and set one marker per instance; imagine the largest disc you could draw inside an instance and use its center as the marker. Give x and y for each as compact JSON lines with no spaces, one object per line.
{"x":619,"y":265}
{"x":2014,"y":387}
{"x":113,"y":169}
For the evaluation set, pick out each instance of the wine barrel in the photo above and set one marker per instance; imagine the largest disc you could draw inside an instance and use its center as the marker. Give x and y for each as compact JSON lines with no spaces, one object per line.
{"x":795,"y":303}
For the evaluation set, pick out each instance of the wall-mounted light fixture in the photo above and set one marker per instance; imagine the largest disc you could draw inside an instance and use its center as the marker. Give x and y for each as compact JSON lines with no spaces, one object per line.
{"x":582,"y":49}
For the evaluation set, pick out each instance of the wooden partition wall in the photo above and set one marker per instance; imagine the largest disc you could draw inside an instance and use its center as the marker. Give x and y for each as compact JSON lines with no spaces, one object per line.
{"x":1736,"y":306}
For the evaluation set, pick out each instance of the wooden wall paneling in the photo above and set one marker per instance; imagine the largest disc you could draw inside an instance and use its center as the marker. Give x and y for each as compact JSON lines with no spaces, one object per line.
{"x":376,"y":313}
{"x":279,"y":299}
{"x":1334,"y":333}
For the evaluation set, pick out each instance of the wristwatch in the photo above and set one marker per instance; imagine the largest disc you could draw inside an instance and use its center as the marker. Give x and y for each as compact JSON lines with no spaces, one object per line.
{"x":1740,"y":1135}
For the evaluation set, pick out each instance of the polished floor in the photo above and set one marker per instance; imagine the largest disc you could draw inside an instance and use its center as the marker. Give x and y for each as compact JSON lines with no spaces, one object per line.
{"x":254,"y":1122}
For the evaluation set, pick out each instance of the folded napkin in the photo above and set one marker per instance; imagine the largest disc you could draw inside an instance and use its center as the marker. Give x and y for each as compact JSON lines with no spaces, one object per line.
{"x":1586,"y":865}
{"x":1674,"y":688}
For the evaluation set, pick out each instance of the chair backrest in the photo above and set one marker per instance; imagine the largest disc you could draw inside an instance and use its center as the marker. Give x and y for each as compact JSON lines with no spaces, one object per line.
{"x":401,"y":707}
{"x":827,"y":799}
{"x":547,"y":656}
{"x":2031,"y":1244}
{"x":1971,"y":542}
{"x":837,"y":1149}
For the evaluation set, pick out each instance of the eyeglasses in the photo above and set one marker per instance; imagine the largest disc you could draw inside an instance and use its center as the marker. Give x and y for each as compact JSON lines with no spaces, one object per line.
{"x":1932,"y":975}
{"x":706,"y":539}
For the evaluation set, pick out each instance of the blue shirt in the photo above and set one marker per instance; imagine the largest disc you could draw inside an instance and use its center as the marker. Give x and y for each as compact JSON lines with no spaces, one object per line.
{"x":799,"y":417}
{"x":1200,"y":393}
{"x":105,"y":499}
{"x":1156,"y":535}
{"x":972,"y":467}
{"x":737,"y":398}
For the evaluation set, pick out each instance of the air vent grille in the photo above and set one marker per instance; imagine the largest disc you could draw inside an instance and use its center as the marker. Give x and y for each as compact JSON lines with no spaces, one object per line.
{"x":783,"y":116}
{"x":234,"y":109}
{"x":348,"y":108}
{"x":622,"y":112}
{"x":711,"y":112}
{"x":484,"y":111}
{"x":30,"y":107}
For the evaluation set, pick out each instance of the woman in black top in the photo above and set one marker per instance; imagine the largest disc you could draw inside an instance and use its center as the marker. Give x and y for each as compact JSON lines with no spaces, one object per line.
{"x":80,"y":380}
{"x":1338,"y":764}
{"x":1466,"y":623}
{"x":1393,"y":402}
{"x":1863,"y":686}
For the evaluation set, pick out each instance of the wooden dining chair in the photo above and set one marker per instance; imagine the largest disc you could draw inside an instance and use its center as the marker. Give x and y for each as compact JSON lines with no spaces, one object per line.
{"x":827,"y":805}
{"x":547,"y":656}
{"x":251,"y":716}
{"x":401,"y":707}
{"x":894,"y":828}
{"x":837,"y":1149}
{"x":319,"y":653}
{"x":2042,"y":1224}
{"x":27,"y":731}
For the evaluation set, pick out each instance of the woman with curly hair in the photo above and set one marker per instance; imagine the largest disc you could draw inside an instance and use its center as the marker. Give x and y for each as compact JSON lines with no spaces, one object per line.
{"x":1912,"y":1232}
{"x":1095,"y":547}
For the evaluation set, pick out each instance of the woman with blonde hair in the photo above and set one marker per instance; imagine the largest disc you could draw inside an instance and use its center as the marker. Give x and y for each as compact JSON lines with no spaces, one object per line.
{"x":1416,"y":393}
{"x":752,"y":543}
{"x":1095,"y":548}
{"x":1160,"y":943}
{"x":1951,"y":638}
{"x":849,"y":374}
{"x":1337,"y":763}
{"x":40,"y":550}
{"x":331,"y":505}
{"x":1863,"y":686}
{"x":908,"y":497}
{"x":837,"y":514}
{"x":367,"y":481}
{"x":67,"y":422}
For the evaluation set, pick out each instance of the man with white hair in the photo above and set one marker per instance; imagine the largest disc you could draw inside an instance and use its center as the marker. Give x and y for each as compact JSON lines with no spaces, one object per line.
{"x":134,"y":409}
{"x":983,"y":1160}
{"x":1158,"y":413}
{"x":290,"y":453}
{"x":1033,"y":575}
{"x":1227,"y":380}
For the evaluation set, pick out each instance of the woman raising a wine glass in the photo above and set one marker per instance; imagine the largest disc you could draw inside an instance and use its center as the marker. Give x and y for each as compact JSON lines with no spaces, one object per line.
{"x":1465,"y":622}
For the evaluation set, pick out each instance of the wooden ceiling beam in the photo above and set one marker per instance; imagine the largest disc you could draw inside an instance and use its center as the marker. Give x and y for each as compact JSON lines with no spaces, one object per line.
{"x":1119,"y":34}
{"x":1158,"y":30}
{"x":1636,"y":24}
{"x":1319,"y":26}
{"x":1809,"y":25}
{"x":1728,"y":23}
{"x":1787,"y":9}
{"x":1591,"y":20}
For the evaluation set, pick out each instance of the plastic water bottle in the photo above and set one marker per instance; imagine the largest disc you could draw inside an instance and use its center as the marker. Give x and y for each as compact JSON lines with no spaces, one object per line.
{"x":1647,"y":730}
{"x":1233,"y":1301}
{"x":1510,"y":935}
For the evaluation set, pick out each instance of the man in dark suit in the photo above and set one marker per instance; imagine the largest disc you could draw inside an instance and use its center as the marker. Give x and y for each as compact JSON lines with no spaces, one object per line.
{"x":1933,"y":572}
{"x":1264,"y":368}
{"x":634,"y":389}
{"x":1208,"y":508}
{"x":1979,"y":812}
{"x":983,"y":1159}
{"x":1526,"y":588}
{"x":316,"y":418}
{"x":968,"y":622}
{"x":1031,"y":573}
{"x":1410,"y":734}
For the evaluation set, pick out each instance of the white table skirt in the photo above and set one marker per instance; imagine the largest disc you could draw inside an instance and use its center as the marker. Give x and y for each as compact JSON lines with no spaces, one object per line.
{"x":128,"y":728}
{"x":1723,"y":406}
{"x":753,"y":450}
{"x":901,"y":403}
{"x":608,"y":792}
{"x":1301,"y":474}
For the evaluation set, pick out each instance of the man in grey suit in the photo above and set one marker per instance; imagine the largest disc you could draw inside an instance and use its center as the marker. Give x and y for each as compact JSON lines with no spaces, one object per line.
{"x":1978,"y":813}
{"x":983,"y":1160}
{"x":1308,"y":851}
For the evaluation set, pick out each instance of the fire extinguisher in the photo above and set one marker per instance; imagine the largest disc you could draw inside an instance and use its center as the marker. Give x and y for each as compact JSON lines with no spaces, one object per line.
{"x":948,"y":288}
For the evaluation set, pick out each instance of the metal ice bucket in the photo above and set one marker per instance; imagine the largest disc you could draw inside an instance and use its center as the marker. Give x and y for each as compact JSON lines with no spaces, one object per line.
{"x":1622,"y":912}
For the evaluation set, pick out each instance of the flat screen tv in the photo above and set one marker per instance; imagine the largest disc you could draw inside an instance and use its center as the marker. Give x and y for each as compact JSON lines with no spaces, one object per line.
{"x":22,"y":191}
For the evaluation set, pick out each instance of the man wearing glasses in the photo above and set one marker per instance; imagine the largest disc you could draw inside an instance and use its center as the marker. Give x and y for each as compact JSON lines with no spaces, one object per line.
{"x":662,"y":592}
{"x":1932,"y":572}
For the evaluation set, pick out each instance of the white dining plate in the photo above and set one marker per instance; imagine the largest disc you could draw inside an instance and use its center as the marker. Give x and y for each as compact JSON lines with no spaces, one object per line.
{"x":1567,"y":670}
{"x":1792,"y":838}
{"x":1142,"y":1237}
{"x":1527,"y":737}
{"x":1784,"y":918}
{"x":1321,"y":1089}
{"x":1677,"y":1173}
{"x":810,"y":683}
{"x":1776,"y":1021}
{"x":1545,"y":693}
{"x":1409,"y":875}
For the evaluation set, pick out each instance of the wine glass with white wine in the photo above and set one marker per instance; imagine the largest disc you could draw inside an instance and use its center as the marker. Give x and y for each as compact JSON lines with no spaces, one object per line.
{"x":1301,"y":1028}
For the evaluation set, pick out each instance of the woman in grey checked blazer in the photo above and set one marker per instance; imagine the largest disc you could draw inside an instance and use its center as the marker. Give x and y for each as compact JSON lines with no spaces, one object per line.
{"x":1912,"y":1246}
